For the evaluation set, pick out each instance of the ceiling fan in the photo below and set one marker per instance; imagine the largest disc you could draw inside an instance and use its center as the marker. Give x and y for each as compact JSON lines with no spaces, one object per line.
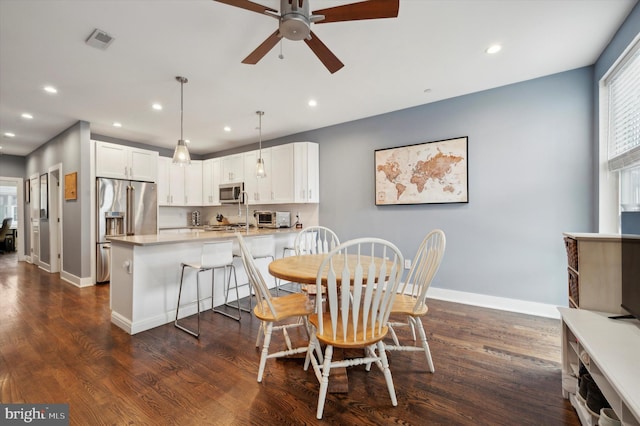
{"x":295,"y":23}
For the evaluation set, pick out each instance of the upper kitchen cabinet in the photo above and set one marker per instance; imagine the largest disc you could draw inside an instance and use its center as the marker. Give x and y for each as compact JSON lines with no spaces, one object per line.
{"x":211,"y":182}
{"x":193,"y":183}
{"x":179,"y":185}
{"x":258,"y":189}
{"x":306,"y":171}
{"x":124,"y":162}
{"x":282,"y":177}
{"x":232,"y":168}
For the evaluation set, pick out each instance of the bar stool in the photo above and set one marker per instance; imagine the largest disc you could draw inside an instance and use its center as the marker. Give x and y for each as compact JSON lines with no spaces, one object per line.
{"x":214,"y":255}
{"x":260,"y":247}
{"x":288,"y":249}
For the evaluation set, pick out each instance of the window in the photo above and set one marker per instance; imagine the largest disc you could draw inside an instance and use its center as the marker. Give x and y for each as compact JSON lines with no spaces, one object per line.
{"x":620,"y":139}
{"x":8,"y":200}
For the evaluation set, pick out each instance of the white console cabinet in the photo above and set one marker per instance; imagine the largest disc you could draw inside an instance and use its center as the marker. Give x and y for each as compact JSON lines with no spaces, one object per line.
{"x":610,"y":350}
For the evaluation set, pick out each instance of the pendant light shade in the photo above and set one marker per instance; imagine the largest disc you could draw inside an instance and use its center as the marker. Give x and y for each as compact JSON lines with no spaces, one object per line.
{"x":181,"y":154}
{"x":260,"y":171}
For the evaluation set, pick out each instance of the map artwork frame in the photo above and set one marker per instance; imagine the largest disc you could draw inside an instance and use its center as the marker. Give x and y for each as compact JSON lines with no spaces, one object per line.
{"x":426,"y":173}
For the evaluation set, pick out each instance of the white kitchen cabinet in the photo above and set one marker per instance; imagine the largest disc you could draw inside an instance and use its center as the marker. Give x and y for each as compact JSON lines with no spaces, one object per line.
{"x":282,"y":178}
{"x":164,"y":193}
{"x":193,"y":183}
{"x":179,"y":185}
{"x":232,"y":168}
{"x":306,"y":172}
{"x":211,"y":182}
{"x":124,"y":162}
{"x":258,"y":189}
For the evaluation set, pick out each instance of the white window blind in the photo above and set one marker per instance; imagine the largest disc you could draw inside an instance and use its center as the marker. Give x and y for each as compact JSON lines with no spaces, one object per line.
{"x":624,"y":112}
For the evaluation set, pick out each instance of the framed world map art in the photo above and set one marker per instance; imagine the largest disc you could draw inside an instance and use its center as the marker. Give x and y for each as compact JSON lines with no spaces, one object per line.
{"x":426,"y":173}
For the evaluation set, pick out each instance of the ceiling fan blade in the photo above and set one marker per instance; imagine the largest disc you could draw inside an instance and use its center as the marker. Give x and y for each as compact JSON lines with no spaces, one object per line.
{"x":249,"y":5}
{"x":372,"y":9}
{"x":263,"y":49}
{"x":323,"y":53}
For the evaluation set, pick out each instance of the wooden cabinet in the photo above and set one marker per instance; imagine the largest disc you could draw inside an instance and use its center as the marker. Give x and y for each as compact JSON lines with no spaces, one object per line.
{"x":306,"y":172}
{"x":608,"y":349}
{"x":123,"y":162}
{"x":211,"y":182}
{"x":594,"y":271}
{"x":179,"y":185}
{"x":232,"y":167}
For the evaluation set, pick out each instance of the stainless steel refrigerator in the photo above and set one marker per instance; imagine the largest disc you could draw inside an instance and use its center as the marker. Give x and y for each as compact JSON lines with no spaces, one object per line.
{"x":123,"y":208}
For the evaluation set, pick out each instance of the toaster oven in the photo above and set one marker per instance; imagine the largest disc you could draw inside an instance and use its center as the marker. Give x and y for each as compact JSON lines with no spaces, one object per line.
{"x":272,"y":219}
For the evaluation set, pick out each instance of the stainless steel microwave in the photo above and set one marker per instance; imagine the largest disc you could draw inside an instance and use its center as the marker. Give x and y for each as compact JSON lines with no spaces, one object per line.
{"x":232,"y":193}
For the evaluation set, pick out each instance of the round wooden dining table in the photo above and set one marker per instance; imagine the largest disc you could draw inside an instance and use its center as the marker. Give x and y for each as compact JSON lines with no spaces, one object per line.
{"x":303,"y":269}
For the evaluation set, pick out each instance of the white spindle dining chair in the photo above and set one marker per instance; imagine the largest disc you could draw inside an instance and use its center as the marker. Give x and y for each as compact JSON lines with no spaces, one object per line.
{"x":359,"y":292}
{"x":270,"y":310}
{"x":410,"y":302}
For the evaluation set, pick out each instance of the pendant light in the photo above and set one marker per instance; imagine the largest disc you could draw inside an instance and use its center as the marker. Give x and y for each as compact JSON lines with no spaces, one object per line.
{"x":181,"y":154}
{"x":260,"y":172}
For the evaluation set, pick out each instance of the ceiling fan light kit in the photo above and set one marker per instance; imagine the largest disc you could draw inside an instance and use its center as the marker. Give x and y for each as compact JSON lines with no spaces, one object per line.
{"x":181,"y":154}
{"x":295,"y":21}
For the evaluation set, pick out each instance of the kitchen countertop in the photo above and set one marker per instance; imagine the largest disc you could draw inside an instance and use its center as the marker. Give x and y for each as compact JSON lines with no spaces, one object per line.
{"x":196,"y":235}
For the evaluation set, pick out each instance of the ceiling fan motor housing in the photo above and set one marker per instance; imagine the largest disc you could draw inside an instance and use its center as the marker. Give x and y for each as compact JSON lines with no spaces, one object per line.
{"x":295,"y":23}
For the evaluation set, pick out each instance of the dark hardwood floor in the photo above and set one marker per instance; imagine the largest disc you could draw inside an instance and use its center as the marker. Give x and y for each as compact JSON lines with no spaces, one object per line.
{"x":57,"y":345}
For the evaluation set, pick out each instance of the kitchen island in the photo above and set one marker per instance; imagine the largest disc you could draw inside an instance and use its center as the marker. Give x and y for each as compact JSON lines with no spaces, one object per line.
{"x":145,"y":275}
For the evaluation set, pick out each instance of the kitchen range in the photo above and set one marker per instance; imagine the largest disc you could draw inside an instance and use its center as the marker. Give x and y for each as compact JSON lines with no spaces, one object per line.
{"x":123,"y":208}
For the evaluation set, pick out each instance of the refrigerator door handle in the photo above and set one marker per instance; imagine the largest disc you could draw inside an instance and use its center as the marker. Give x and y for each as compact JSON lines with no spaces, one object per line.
{"x":130,"y":209}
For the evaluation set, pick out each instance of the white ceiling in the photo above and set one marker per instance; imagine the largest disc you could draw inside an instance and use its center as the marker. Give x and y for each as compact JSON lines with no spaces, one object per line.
{"x":389,"y":64}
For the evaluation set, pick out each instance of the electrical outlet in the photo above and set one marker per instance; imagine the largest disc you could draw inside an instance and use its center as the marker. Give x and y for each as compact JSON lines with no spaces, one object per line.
{"x":407,"y":264}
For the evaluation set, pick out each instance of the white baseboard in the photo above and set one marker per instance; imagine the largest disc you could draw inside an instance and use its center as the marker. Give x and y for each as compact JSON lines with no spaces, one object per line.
{"x":494,"y":302}
{"x":75,"y":280}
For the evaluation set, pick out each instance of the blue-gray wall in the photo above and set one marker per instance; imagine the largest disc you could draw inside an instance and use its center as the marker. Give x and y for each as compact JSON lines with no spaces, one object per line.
{"x":12,"y":166}
{"x":530,"y":179}
{"x":71,"y":148}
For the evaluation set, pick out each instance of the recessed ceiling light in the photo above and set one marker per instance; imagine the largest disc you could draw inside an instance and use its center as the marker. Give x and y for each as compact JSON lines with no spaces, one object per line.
{"x":227,"y":129}
{"x":493,"y":49}
{"x":50,"y":89}
{"x":26,"y":116}
{"x":117,"y":124}
{"x":9,"y":134}
{"x":157,"y":107}
{"x":313,"y":102}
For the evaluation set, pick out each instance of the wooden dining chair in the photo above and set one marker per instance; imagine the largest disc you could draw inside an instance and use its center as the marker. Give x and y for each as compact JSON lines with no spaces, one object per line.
{"x":410,"y":302}
{"x":356,"y":315}
{"x":315,"y":240}
{"x":270,"y":310}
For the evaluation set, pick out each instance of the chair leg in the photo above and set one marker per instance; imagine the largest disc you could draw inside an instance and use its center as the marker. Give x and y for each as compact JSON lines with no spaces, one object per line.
{"x":265,"y":349}
{"x":175,"y":323}
{"x":387,"y":373}
{"x":425,"y":344}
{"x":324,"y":383}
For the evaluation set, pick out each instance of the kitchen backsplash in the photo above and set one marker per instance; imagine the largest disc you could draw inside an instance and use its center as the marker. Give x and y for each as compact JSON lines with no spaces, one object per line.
{"x":175,"y":217}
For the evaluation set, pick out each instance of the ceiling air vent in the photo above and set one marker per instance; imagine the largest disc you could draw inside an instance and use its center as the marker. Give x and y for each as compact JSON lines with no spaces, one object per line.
{"x":99,"y":39}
